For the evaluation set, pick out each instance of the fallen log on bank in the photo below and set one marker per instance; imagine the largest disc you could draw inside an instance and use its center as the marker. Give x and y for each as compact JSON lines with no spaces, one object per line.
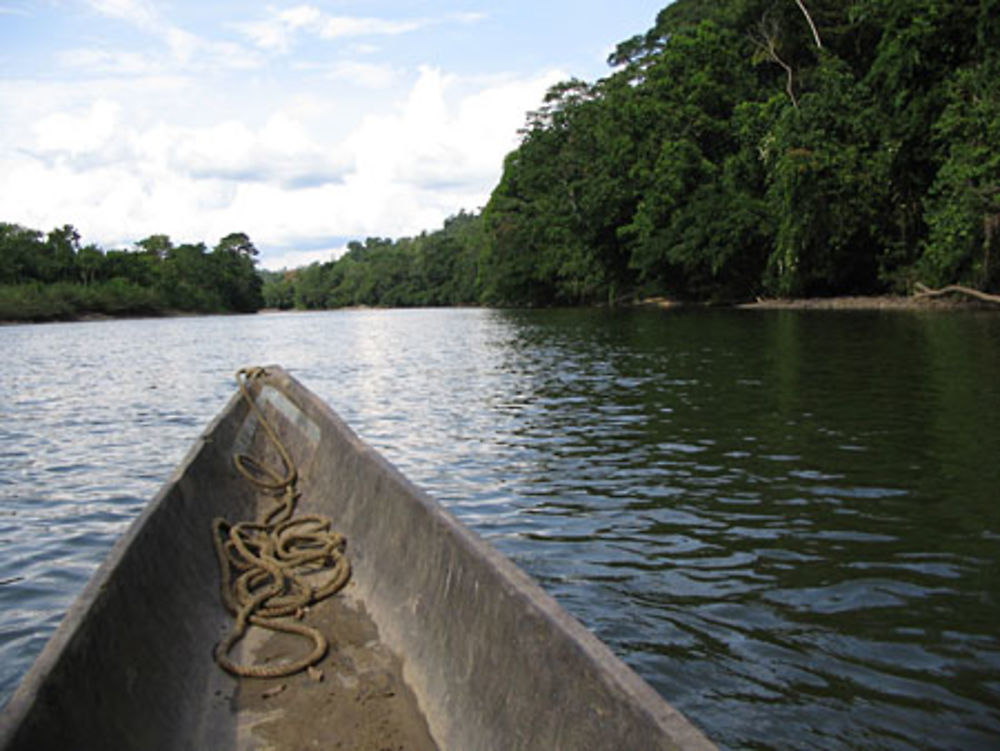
{"x":924,"y":291}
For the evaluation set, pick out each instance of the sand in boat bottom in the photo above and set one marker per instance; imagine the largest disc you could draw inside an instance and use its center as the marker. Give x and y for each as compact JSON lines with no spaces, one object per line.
{"x":361,"y":703}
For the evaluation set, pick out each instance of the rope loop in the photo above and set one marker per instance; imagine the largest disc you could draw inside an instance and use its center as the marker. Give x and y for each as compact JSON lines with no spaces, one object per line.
{"x":278,"y":565}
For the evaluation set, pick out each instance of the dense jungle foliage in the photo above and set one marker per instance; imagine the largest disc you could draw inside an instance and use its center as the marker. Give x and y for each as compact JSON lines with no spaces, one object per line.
{"x":46,"y":277}
{"x":736,"y":149}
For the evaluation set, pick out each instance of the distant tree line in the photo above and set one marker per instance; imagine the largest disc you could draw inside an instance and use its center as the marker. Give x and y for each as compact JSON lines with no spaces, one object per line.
{"x":441,"y":268}
{"x":52,"y":276}
{"x":737,"y":149}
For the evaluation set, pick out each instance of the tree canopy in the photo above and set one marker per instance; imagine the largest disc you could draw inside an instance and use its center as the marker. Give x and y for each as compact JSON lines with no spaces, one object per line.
{"x":437,"y":269}
{"x":764,"y":147}
{"x":54,"y":276}
{"x":736,"y":149}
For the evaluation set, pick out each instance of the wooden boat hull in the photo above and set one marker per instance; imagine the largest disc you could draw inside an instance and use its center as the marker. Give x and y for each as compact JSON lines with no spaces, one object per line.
{"x":491,"y":660}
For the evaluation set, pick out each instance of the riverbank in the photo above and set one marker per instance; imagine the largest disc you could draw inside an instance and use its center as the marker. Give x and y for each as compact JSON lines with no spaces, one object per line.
{"x":872,"y":302}
{"x":850,"y":302}
{"x":847,"y":303}
{"x":94,"y":316}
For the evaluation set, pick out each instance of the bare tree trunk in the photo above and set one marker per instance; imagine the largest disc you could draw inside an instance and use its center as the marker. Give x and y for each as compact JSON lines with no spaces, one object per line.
{"x":766,"y":39}
{"x":991,"y":228}
{"x":788,"y":80}
{"x":802,"y":7}
{"x":925,"y":291}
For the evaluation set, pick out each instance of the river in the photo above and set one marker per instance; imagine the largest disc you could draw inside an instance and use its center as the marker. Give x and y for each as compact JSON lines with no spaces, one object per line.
{"x":788,"y":522}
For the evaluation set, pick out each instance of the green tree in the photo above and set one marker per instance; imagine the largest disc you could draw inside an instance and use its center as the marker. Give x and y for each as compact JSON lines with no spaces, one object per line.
{"x":917,"y":45}
{"x":155,"y":246}
{"x":278,"y":289}
{"x":187,"y":280}
{"x":311,"y":287}
{"x":694,"y":231}
{"x":963,"y":205}
{"x":133,"y":266}
{"x":236,"y":279}
{"x":828,"y":176}
{"x":542,"y":248}
{"x":56,"y":258}
{"x":20,"y":248}
{"x":90,"y":263}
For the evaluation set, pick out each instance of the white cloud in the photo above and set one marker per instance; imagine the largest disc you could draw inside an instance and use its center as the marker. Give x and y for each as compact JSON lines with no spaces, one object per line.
{"x":273,"y":35}
{"x":469,"y":16}
{"x":117,"y":62}
{"x":333,"y":27}
{"x":276,"y":33}
{"x":182,"y":52}
{"x":301,"y":125}
{"x":181,"y":48}
{"x":67,"y":137}
{"x":433,"y":142}
{"x":138,"y":12}
{"x":362,"y":48}
{"x":280,"y":153}
{"x":123,"y":158}
{"x":294,"y":259}
{"x":357,"y":73}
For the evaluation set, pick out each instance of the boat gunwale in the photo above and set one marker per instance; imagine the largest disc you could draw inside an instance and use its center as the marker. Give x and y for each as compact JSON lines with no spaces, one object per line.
{"x":464,"y":545}
{"x":672,"y":723}
{"x":16,"y":712}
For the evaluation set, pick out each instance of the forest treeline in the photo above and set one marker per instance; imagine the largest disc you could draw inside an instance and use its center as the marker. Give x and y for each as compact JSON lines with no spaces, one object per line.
{"x":52,"y":276}
{"x":439,"y":268}
{"x":736,"y":149}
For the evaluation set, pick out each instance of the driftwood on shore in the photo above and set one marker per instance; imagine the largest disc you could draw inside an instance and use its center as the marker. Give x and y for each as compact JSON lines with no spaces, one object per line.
{"x":924,"y":291}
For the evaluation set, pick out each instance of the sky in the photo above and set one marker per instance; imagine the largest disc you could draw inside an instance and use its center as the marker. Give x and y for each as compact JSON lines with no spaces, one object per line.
{"x":304,"y":124}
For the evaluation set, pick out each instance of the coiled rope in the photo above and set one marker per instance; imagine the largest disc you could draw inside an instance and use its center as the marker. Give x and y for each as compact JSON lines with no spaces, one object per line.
{"x":278,"y":565}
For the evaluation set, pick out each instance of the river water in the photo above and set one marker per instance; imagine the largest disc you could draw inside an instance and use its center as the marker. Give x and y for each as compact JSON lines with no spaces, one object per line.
{"x":788,"y":522}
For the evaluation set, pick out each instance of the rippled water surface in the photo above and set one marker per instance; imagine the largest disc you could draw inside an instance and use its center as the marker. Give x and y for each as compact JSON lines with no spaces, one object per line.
{"x":787,"y":522}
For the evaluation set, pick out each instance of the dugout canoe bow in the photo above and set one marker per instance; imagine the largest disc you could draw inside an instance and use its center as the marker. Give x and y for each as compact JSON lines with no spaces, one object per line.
{"x":437,"y":640}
